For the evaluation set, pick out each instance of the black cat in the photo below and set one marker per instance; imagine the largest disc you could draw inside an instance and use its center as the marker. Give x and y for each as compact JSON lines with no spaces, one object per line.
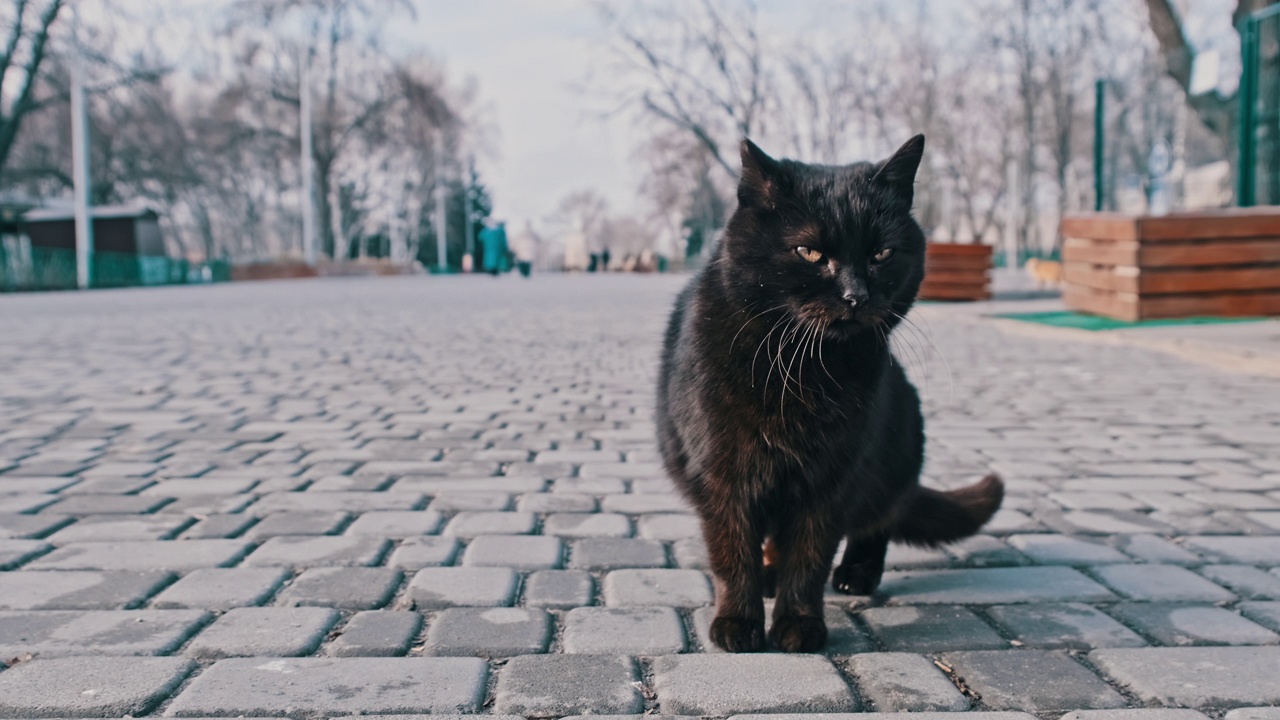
{"x":782,"y":415}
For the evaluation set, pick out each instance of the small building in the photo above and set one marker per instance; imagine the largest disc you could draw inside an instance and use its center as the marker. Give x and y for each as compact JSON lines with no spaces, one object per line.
{"x":128,"y":248}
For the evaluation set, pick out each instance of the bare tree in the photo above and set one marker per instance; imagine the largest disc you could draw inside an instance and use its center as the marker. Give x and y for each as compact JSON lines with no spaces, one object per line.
{"x":25,"y":50}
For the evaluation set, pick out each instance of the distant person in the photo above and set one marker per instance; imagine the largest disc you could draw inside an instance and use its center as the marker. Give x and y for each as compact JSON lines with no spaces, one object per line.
{"x":493,"y":241}
{"x":575,"y":252}
{"x":604,"y":260}
{"x":524,"y":245}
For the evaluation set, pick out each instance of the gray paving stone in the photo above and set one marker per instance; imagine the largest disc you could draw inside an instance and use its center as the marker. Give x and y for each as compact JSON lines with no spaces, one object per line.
{"x":345,"y":588}
{"x":671,"y":588}
{"x":1161,"y":582}
{"x":586,"y":525}
{"x":25,"y":503}
{"x":57,"y":633}
{"x":90,"y":504}
{"x":589,"y":486}
{"x":1150,"y":548}
{"x":18,"y":526}
{"x":436,"y":588}
{"x":334,"y":687}
{"x":376,"y":633}
{"x":1063,"y":550}
{"x":325,"y":551}
{"x":489,"y":632}
{"x":302,"y":522}
{"x":669,"y":526}
{"x":1196,"y":676}
{"x":1242,"y":550}
{"x":222,"y":588}
{"x":89,"y":687}
{"x":541,"y":686}
{"x":353,"y":502}
{"x":472,"y":524}
{"x":556,"y":502}
{"x":101,"y":528}
{"x":218,"y":525}
{"x":396,"y":523}
{"x":616,"y":553}
{"x":264,"y":632}
{"x":1136,"y":714}
{"x":905,"y":682}
{"x":1032,"y":680}
{"x":455,"y":500}
{"x":1263,"y":613}
{"x":992,"y":586}
{"x":931,"y":628}
{"x":1267,"y":713}
{"x":728,"y":684}
{"x":1247,"y":582}
{"x":177,"y":555}
{"x":416,"y":553}
{"x":79,"y":589}
{"x":14,"y":553}
{"x":1182,"y":624}
{"x":514,"y":551}
{"x":1072,"y":626}
{"x":690,"y":554}
{"x":623,"y":631}
{"x":558,"y":589}
{"x":633,"y":504}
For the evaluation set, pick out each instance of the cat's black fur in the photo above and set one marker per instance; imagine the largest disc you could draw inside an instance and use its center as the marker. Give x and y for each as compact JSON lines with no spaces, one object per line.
{"x":782,"y":414}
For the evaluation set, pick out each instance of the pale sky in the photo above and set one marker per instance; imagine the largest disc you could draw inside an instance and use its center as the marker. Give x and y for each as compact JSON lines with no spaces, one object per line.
{"x":527,"y":57}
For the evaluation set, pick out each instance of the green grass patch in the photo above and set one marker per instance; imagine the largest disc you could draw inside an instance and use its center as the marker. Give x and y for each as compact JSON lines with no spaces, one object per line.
{"x":1080,"y":321}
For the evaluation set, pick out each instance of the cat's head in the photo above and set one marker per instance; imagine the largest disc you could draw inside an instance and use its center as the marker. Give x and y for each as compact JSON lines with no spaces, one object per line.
{"x":834,"y":245}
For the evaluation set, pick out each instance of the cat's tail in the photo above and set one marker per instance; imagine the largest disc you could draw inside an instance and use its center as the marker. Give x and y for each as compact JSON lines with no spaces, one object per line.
{"x":933,"y":517}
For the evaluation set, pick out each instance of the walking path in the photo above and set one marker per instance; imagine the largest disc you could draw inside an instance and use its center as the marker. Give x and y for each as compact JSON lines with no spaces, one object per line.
{"x":441,"y":495}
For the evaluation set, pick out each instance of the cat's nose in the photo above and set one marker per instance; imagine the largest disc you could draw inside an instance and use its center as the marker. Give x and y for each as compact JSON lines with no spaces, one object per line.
{"x":855,"y":298}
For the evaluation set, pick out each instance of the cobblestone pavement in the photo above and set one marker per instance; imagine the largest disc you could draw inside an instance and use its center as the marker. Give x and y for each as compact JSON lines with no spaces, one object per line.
{"x":441,"y":495}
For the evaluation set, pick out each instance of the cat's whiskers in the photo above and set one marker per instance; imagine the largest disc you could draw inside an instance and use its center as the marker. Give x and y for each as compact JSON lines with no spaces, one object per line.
{"x":753,"y":317}
{"x":951,"y":383}
{"x":917,"y":358}
{"x":756,"y":354}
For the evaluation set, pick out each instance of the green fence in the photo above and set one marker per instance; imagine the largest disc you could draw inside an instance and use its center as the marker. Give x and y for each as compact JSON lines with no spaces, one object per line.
{"x":28,"y":268}
{"x":1258,"y":178}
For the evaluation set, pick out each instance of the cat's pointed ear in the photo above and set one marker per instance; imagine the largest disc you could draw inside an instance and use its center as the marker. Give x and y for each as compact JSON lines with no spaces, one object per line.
{"x":759,"y":184}
{"x":899,"y":171}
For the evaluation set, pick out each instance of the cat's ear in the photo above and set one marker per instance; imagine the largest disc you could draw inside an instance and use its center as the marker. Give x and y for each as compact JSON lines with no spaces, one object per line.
{"x":759,"y":184}
{"x":899,"y":171}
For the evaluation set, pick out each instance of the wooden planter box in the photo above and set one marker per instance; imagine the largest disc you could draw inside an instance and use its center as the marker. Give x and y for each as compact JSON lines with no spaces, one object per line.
{"x":1215,"y":263}
{"x":956,"y":272}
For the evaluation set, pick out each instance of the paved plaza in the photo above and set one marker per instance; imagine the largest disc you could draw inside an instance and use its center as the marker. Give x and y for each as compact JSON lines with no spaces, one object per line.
{"x":441,"y":495}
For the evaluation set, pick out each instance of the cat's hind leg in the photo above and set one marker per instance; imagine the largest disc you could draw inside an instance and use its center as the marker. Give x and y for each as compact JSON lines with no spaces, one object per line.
{"x":862,"y":566}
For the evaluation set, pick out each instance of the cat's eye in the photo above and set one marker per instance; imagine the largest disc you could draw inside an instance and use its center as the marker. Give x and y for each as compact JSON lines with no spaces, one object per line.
{"x":883,"y":255}
{"x":808,"y":253}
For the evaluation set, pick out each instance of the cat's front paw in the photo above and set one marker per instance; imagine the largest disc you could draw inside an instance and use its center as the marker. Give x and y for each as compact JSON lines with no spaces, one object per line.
{"x":735,"y":634}
{"x":856,"y":579}
{"x":793,"y":633}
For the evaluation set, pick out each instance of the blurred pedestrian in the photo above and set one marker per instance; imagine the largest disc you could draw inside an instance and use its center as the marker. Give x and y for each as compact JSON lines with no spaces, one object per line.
{"x":493,"y":240}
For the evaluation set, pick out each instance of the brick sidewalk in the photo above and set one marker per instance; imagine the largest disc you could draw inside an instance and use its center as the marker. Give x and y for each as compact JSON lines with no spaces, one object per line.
{"x":442,"y":495}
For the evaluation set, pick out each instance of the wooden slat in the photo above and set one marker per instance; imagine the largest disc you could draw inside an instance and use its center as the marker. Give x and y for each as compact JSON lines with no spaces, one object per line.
{"x":1221,"y":304}
{"x":980,"y":263}
{"x":1166,"y":282}
{"x":955,"y":277}
{"x":1228,"y":223}
{"x":970,"y":249}
{"x":1120,"y":278}
{"x":1100,"y":252}
{"x":1238,"y":252}
{"x":954,"y":292}
{"x":1121,"y":306}
{"x":1100,"y":226}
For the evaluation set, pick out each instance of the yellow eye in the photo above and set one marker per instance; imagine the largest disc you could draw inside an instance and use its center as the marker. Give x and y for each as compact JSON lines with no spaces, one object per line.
{"x":813,"y":256}
{"x":883,"y":255}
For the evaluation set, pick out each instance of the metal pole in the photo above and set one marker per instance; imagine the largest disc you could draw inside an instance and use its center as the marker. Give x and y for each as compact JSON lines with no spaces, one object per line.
{"x":441,"y":229}
{"x":80,"y":164}
{"x":1099,"y":144}
{"x":1245,"y":173}
{"x":305,"y":162}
